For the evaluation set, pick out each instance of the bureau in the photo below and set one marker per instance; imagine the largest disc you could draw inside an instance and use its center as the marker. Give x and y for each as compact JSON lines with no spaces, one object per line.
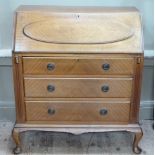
{"x":77,"y":70}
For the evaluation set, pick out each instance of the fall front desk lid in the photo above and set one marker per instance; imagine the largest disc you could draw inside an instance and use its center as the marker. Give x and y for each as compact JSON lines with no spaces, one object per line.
{"x":86,"y":29}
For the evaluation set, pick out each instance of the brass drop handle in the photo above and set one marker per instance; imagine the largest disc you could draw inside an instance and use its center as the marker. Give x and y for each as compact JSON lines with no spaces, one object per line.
{"x":50,"y":88}
{"x":103,"y":112}
{"x":106,"y":66}
{"x":105,"y":88}
{"x":51,"y":111}
{"x":50,"y":66}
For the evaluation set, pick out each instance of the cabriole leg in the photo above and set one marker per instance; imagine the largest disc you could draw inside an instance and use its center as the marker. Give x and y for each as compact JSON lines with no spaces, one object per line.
{"x":137,"y":138}
{"x":16,"y":138}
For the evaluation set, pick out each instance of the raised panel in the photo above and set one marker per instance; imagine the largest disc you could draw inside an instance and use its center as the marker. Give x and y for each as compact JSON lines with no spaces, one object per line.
{"x":77,"y":31}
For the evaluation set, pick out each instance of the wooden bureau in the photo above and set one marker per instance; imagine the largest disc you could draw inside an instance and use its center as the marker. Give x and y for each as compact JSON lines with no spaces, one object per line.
{"x":77,"y":70}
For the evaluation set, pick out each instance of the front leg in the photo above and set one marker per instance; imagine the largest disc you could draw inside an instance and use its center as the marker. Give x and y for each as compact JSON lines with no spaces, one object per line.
{"x":137,"y":138}
{"x":16,"y":138}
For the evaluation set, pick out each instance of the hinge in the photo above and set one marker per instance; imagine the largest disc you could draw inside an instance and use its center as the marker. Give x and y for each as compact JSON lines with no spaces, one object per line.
{"x":17,"y":59}
{"x":138,"y":60}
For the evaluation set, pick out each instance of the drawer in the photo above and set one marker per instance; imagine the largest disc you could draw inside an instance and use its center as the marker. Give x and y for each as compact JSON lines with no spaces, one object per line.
{"x":78,"y":66}
{"x":78,"y":87}
{"x":82,"y":111}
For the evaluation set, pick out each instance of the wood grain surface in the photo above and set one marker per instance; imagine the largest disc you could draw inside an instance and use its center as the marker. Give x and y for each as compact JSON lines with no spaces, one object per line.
{"x":78,"y":32}
{"x":77,"y":111}
{"x":77,"y":65}
{"x":18,"y":88}
{"x":78,"y":87}
{"x":91,"y":30}
{"x":135,"y":100}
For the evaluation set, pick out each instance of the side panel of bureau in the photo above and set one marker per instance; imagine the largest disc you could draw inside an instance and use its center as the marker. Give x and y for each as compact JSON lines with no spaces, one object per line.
{"x":135,"y":100}
{"x":19,"y":88}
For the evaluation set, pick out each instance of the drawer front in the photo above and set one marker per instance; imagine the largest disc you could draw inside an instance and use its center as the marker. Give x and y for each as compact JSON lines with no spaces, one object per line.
{"x":78,"y":66}
{"x":78,"y":87}
{"x":83,"y":111}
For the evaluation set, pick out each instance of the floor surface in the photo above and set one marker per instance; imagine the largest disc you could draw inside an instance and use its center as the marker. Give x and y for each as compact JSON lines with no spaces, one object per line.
{"x":44,"y":143}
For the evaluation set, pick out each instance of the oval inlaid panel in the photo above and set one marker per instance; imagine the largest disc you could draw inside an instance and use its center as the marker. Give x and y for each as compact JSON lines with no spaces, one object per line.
{"x":78,"y":32}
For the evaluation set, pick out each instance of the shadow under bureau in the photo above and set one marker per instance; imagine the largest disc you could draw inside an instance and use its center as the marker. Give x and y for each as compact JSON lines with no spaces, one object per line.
{"x":77,"y":70}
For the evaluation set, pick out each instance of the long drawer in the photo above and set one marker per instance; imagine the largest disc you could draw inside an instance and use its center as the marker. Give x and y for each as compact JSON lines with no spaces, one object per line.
{"x":78,"y":65}
{"x":78,"y":87}
{"x":78,"y":112}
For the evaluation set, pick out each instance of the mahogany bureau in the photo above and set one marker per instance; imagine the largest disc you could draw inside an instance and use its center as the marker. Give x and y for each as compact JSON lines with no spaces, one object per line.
{"x":77,"y":70}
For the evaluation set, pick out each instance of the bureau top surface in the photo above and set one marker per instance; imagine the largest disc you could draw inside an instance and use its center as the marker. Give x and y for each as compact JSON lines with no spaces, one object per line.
{"x":60,"y":29}
{"x":75,"y":9}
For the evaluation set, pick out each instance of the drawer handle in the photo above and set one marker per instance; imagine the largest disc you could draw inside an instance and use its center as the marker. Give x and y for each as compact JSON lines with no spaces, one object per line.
{"x":50,"y":66}
{"x":105,"y":88}
{"x":50,"y":88}
{"x":106,"y":66}
{"x":51,"y":111}
{"x":103,"y":112}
